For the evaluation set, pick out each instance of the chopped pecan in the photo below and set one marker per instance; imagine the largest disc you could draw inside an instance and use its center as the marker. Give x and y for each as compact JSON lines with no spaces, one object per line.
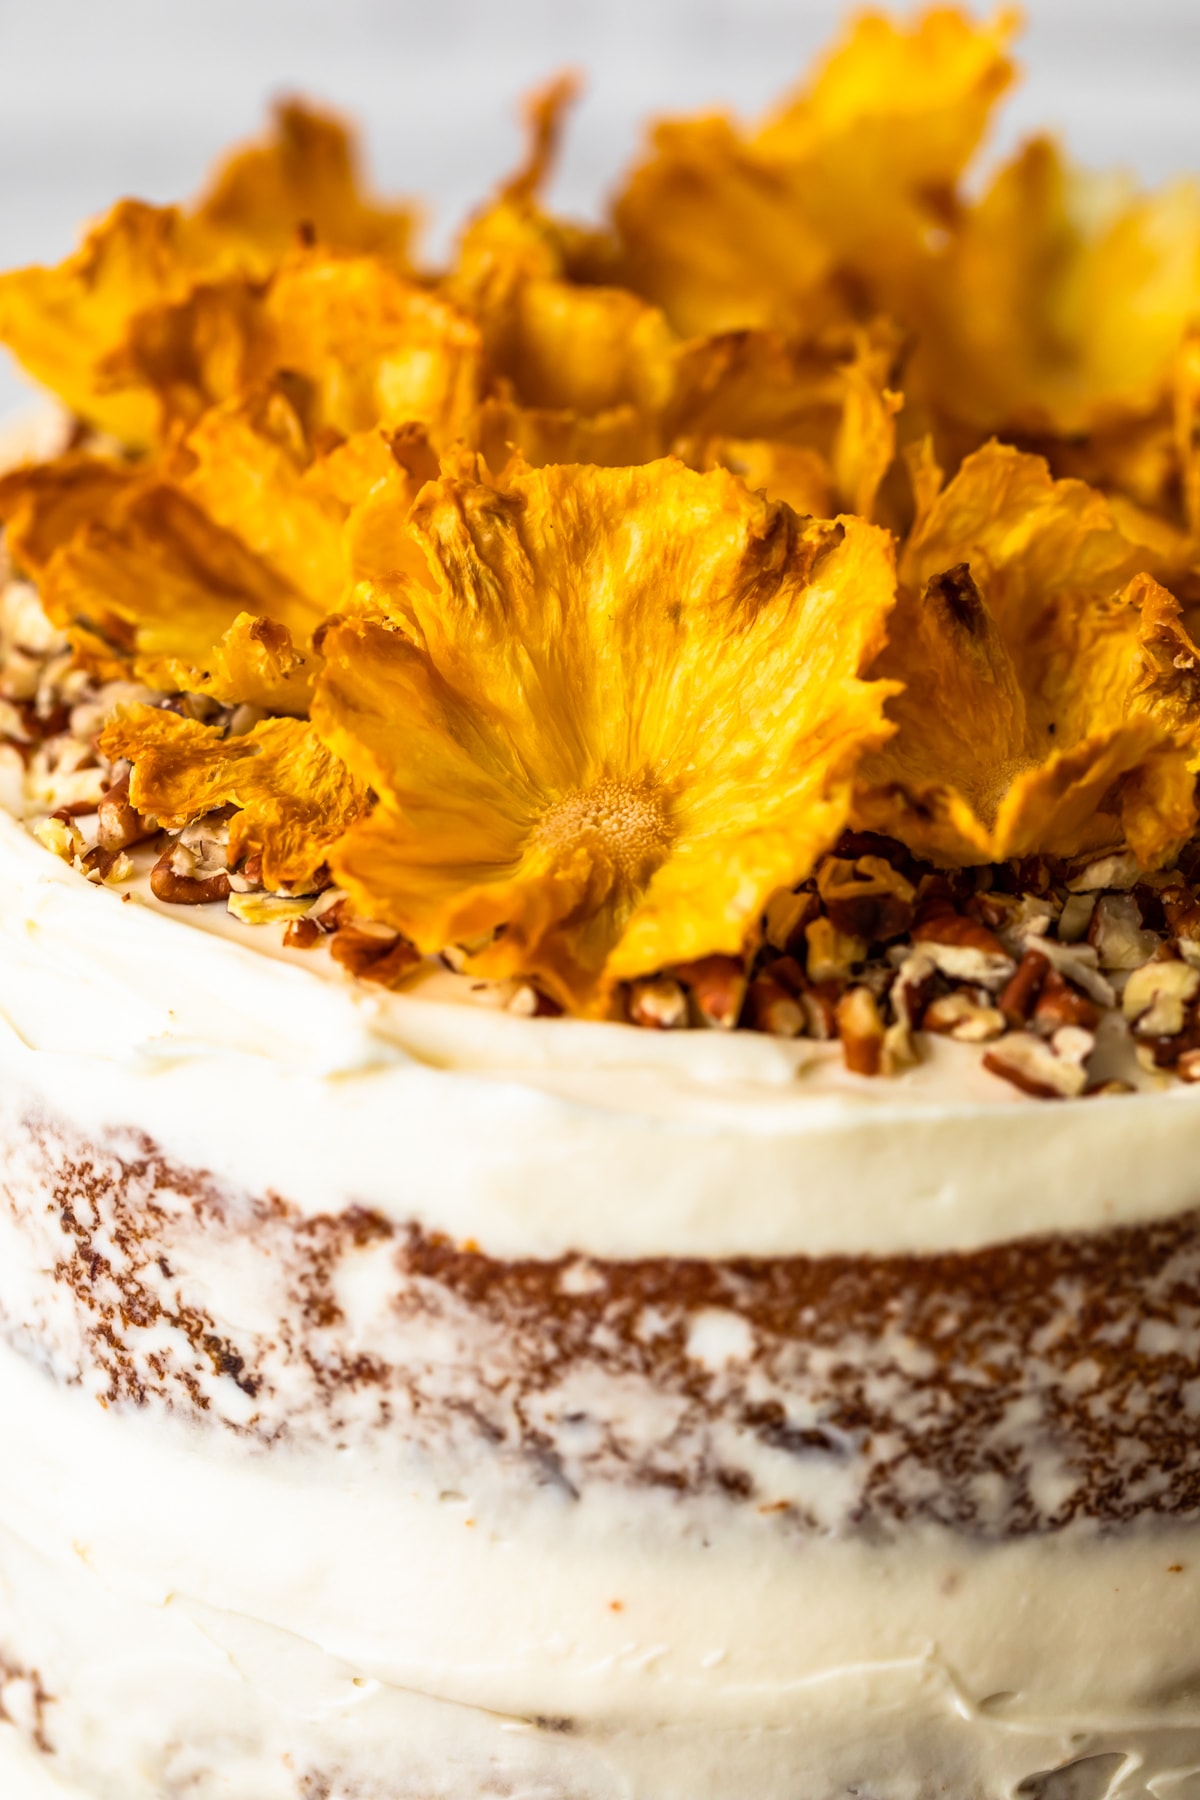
{"x":1120,"y":870}
{"x":913,"y":988}
{"x":1035,"y":874}
{"x":331,"y":910}
{"x":1049,"y":1069}
{"x":964,"y":948}
{"x":302,"y":934}
{"x":771,"y":1008}
{"x":1080,"y":964}
{"x":962,"y":1015}
{"x":656,"y":1003}
{"x":530,"y":1003}
{"x":186,"y":890}
{"x":1156,"y":997}
{"x":1019,"y":994}
{"x":1116,"y":933}
{"x":98,"y":862}
{"x":1061,"y":1004}
{"x":372,"y":956}
{"x":995,"y":910}
{"x":819,"y":1001}
{"x":1075,"y":917}
{"x":265,"y":909}
{"x":832,"y":954}
{"x":1188,"y":1066}
{"x":1181,"y":914}
{"x":717,"y":985}
{"x":118,"y":824}
{"x":861,"y":1031}
{"x":62,"y":837}
{"x":899,"y":1048}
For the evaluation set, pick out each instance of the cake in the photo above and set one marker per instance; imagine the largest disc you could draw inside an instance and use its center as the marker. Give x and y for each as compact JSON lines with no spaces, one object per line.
{"x":600,"y":979}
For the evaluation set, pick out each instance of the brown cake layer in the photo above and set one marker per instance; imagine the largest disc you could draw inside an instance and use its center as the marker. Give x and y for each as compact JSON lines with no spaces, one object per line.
{"x":1004,"y":1391}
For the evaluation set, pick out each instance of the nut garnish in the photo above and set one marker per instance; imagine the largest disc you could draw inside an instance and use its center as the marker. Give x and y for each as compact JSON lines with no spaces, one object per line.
{"x":773,"y":1009}
{"x":659,"y":1003}
{"x":717,"y":985}
{"x":964,"y":948}
{"x":832,"y":954}
{"x":1156,"y":997}
{"x":1117,"y":934}
{"x":1048,"y":1070}
{"x":966,"y":1016}
{"x":861,"y":1030}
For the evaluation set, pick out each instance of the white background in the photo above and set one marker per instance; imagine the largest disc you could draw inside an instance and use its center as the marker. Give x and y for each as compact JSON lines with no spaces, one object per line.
{"x":104,"y":97}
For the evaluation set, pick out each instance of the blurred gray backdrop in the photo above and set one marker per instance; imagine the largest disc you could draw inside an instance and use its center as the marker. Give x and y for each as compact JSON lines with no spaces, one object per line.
{"x":100,"y":98}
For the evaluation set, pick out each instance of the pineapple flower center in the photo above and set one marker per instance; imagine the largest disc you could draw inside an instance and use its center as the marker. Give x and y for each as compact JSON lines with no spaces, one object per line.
{"x":622,"y":824}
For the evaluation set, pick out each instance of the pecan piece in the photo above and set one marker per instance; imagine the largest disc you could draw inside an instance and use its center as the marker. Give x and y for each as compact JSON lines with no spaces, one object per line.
{"x":1156,"y":997}
{"x":1116,"y":933}
{"x":1053,"y":1069}
{"x":1120,"y":870}
{"x":964,"y":948}
{"x":1019,"y":995}
{"x":913,"y":989}
{"x":1079,"y":963}
{"x":717,"y":984}
{"x":372,"y":955}
{"x":62,"y":837}
{"x":861,"y":1031}
{"x":1061,"y":1004}
{"x":1181,"y":911}
{"x":773,"y":1009}
{"x":186,"y":890}
{"x":832,"y":954}
{"x":656,"y":1003}
{"x":118,"y":825}
{"x":963,"y":1016}
{"x":1075,"y":917}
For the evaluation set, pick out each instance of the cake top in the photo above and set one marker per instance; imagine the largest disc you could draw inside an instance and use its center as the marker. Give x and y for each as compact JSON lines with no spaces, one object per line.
{"x":770,"y":609}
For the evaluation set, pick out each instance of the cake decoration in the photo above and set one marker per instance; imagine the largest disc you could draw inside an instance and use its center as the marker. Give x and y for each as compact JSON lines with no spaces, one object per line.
{"x":649,"y":614}
{"x":600,"y":975}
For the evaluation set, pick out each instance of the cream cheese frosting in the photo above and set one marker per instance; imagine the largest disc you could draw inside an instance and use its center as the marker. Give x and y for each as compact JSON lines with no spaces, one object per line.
{"x":538,"y":1136}
{"x":671,"y":1661}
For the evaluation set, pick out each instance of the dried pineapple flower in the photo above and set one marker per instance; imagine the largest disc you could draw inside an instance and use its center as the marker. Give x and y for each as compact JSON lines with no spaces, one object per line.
{"x":625,"y":711}
{"x":558,"y":345}
{"x":1050,"y":700}
{"x":359,"y":343}
{"x":813,"y":425}
{"x":305,"y":175}
{"x":834,"y":198}
{"x":64,"y":323}
{"x":293,"y":796}
{"x":1059,"y":303}
{"x":210,"y":572}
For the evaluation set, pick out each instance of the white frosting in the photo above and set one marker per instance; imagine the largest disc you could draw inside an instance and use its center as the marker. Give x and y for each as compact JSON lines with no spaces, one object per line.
{"x":537,"y":1136}
{"x":169,"y":1594}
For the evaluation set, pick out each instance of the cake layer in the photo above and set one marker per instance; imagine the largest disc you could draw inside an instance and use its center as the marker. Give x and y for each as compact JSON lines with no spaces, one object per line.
{"x":1003,"y":1391}
{"x":275,"y":1627}
{"x":539,"y":1137}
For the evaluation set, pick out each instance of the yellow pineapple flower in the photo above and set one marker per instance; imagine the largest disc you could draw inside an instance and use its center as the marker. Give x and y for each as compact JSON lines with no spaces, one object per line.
{"x":624,"y":709}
